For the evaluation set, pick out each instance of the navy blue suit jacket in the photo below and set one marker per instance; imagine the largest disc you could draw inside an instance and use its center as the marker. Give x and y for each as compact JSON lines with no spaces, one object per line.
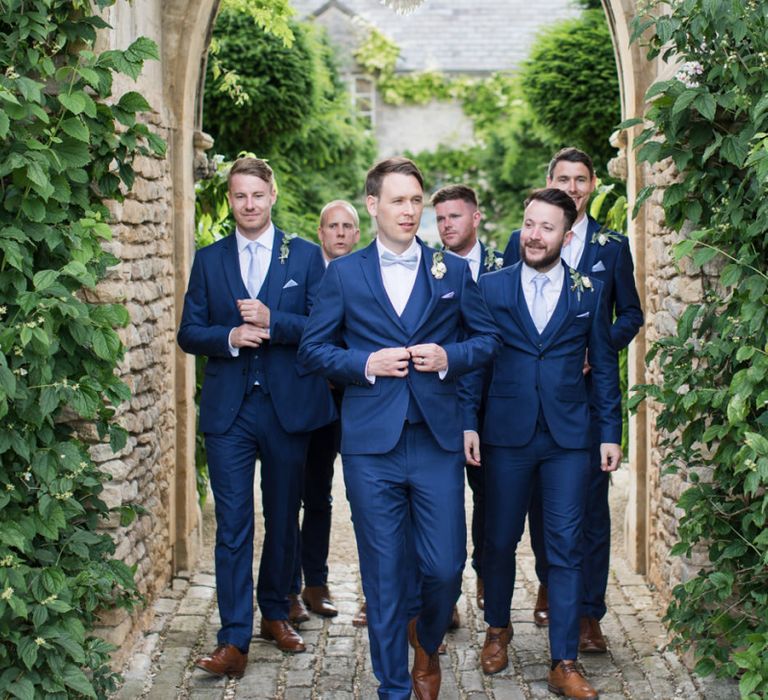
{"x":302,"y":403}
{"x":353,"y":317}
{"x":533,"y":371}
{"x":610,"y":263}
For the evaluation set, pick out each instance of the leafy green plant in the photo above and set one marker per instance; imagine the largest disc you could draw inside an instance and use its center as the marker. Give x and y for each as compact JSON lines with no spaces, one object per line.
{"x":711,"y":120}
{"x":65,"y":146}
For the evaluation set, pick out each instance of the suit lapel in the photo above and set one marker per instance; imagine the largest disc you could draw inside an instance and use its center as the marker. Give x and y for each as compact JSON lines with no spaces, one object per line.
{"x":277,"y":271}
{"x":590,"y":249}
{"x":518,"y":304}
{"x":369,"y":262}
{"x":562,"y":309}
{"x":426,"y":260}
{"x":231,"y":264}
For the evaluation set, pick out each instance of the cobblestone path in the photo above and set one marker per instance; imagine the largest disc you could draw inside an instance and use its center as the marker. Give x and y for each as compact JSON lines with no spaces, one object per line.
{"x":336,"y":665}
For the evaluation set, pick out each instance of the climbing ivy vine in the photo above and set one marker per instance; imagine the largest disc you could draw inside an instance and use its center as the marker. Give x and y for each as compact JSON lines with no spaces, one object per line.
{"x":711,"y":120}
{"x":66,"y":145}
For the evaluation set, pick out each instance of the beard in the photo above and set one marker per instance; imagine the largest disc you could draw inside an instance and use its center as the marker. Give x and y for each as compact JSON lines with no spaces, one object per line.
{"x":544,"y":263}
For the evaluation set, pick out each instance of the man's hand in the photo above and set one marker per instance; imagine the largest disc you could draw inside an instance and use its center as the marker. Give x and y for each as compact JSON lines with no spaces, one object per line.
{"x":388,"y":362}
{"x":610,"y":456}
{"x":248,"y":336}
{"x":253,"y":311}
{"x":472,"y":448}
{"x":587,"y":367}
{"x":428,"y":357}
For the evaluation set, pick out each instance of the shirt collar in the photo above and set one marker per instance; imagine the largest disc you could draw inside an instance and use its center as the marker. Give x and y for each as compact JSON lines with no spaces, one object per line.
{"x":580,"y":229}
{"x":556,"y":275}
{"x":410,"y":250}
{"x":475,"y":254}
{"x":267,"y":239}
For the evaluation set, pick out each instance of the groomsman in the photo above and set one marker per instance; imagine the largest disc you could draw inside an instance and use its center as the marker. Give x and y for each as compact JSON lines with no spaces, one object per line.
{"x":458,"y":218}
{"x":397,"y":323}
{"x":338,"y":233}
{"x":246,"y":305}
{"x":602,"y":254}
{"x":536,"y":426}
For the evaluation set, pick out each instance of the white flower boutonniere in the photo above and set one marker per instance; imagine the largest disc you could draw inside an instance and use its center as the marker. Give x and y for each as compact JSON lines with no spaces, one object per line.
{"x":492,"y":261}
{"x":285,"y":247}
{"x":580,"y":283}
{"x":603,"y":235}
{"x":438,"y":268}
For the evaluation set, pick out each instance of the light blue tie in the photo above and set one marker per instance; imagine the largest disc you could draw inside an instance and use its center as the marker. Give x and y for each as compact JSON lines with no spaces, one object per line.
{"x":254,"y":270}
{"x":539,"y":306}
{"x":409,"y":261}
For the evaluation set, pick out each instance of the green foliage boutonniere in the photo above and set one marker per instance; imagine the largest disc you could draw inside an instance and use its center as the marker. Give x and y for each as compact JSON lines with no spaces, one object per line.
{"x":580,"y":283}
{"x":438,"y":269}
{"x":603,"y":235}
{"x":492,"y":261}
{"x":285,"y":247}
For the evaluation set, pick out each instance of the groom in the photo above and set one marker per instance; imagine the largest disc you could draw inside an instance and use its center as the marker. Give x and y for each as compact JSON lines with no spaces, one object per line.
{"x":398,"y":323}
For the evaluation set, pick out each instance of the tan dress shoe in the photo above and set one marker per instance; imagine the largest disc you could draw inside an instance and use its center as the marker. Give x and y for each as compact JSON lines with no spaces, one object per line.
{"x":425,"y":674}
{"x":591,"y":639}
{"x":541,"y":609}
{"x":281,"y":632}
{"x":480,"y":594}
{"x":493,"y":657}
{"x":318,"y":600}
{"x":361,"y":616}
{"x":565,"y":679}
{"x":297,"y":613}
{"x":226,"y":660}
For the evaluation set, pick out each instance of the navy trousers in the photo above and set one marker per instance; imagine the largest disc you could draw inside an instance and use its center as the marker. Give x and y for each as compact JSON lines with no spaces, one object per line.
{"x":256,"y":432}
{"x":563,"y":475}
{"x":417,"y":486}
{"x":476,"y":481}
{"x":315,"y":532}
{"x":596,"y":532}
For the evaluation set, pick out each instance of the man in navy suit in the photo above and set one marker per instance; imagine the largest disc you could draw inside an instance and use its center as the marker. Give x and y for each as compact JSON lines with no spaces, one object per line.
{"x":458,"y":218}
{"x":397,"y":323}
{"x":246,"y":305}
{"x":536,"y":426}
{"x":604,"y":255}
{"x":338,"y":233}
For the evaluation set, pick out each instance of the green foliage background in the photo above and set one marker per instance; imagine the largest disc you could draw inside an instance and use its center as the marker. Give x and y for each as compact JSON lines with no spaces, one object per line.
{"x":65,"y":146}
{"x":711,"y":119}
{"x":297,"y":115}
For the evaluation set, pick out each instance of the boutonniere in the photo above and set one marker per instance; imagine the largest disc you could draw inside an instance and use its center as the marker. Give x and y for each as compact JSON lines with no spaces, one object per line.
{"x":492,"y":261}
{"x":603,"y":235}
{"x":285,"y":247}
{"x":438,"y":268}
{"x":580,"y":283}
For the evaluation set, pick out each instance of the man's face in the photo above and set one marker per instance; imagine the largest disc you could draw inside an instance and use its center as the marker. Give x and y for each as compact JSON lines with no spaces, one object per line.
{"x":457,"y":222}
{"x":397,"y":210}
{"x":574,"y":179}
{"x":251,"y":200}
{"x":338,"y":233}
{"x":543,"y":235}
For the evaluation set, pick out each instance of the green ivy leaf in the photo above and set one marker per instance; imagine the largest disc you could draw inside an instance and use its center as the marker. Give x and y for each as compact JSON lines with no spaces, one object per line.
{"x":75,"y":101}
{"x":22,"y":689}
{"x":75,"y":128}
{"x":74,"y":678}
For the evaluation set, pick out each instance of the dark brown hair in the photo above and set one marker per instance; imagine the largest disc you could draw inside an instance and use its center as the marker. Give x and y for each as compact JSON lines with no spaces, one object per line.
{"x":558,"y":198}
{"x":572,"y":155}
{"x":451,"y":192}
{"x":396,"y":164}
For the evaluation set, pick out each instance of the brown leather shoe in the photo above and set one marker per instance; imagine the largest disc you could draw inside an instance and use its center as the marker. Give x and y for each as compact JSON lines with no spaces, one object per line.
{"x":318,"y":600}
{"x":541,"y":609}
{"x":480,"y":594}
{"x":591,"y":639}
{"x":361,"y":616}
{"x":455,"y":622}
{"x":425,"y":673}
{"x":297,"y":613}
{"x":493,"y":657}
{"x":281,"y":632}
{"x":566,"y":680}
{"x":226,"y":660}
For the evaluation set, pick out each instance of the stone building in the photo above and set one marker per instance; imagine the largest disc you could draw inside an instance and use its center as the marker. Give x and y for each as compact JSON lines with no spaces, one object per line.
{"x":154,"y":240}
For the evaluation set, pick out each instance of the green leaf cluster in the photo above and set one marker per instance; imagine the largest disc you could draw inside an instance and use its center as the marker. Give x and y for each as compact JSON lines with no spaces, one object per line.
{"x":65,"y":146}
{"x":711,"y":120}
{"x":298,"y":116}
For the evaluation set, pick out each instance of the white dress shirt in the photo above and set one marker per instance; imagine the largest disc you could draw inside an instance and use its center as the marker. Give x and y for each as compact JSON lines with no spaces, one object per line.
{"x":551,"y":291}
{"x":573,"y":251}
{"x":263,"y":256}
{"x":398,"y":279}
{"x":473,"y":257}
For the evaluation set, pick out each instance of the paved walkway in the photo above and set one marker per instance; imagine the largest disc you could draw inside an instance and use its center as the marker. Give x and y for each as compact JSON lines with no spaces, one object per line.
{"x":337,"y":665}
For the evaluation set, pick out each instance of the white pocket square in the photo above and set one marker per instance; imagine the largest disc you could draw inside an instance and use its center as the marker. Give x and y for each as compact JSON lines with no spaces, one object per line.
{"x":598,"y":266}
{"x":584,"y":315}
{"x":448,"y":295}
{"x":290,"y":283}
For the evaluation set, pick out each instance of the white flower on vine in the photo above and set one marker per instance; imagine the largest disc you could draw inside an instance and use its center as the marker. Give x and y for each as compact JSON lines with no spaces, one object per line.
{"x":689,"y":72}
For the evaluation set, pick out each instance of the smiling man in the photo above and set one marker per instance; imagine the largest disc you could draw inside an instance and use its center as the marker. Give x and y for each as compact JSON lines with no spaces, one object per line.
{"x":397,"y":323}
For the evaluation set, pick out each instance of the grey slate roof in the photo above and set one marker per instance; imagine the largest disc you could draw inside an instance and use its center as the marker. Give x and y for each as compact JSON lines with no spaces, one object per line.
{"x":463,"y":36}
